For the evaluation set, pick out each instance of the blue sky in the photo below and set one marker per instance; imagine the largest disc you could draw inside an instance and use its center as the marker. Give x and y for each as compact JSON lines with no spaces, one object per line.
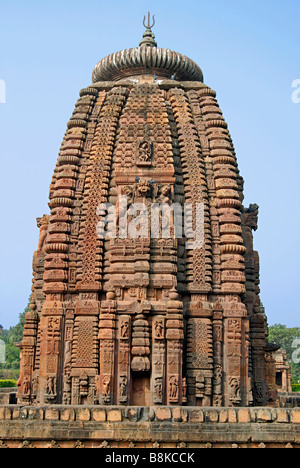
{"x":249,"y":53}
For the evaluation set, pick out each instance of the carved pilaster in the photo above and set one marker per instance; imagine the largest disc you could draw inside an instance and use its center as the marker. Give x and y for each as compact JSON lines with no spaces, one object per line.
{"x":158,"y":360}
{"x":174,"y":336}
{"x":85,"y":349}
{"x":200,"y":365}
{"x":107,"y":337}
{"x":28,"y":349}
{"x":51,"y":353}
{"x":124,"y":375}
{"x":218,"y":355}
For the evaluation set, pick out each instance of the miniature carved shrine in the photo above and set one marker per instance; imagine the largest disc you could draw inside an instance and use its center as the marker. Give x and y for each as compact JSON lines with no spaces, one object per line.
{"x":145,"y":320}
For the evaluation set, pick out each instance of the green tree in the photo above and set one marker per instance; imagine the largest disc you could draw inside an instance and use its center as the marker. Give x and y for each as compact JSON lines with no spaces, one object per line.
{"x":10,"y":369}
{"x":285,"y":337}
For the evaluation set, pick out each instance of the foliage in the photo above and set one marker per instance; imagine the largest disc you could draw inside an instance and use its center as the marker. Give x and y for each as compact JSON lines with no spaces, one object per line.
{"x":8,"y":383}
{"x":285,"y":337}
{"x":9,"y":374}
{"x":10,"y":369}
{"x":296,"y":387}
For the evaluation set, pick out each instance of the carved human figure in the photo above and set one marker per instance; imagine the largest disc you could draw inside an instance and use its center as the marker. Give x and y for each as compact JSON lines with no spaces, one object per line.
{"x":158,"y":388}
{"x":218,"y":372}
{"x":173,"y":389}
{"x":42,"y":223}
{"x":184,"y":390}
{"x":106,"y":385}
{"x":144,"y":151}
{"x":68,"y":357}
{"x":67,"y":390}
{"x":125,"y":329}
{"x":123,"y":386}
{"x":159,"y":329}
{"x":26,"y":386}
{"x":165,"y":194}
{"x":250,"y":219}
{"x":51,"y":385}
{"x":235,"y":392}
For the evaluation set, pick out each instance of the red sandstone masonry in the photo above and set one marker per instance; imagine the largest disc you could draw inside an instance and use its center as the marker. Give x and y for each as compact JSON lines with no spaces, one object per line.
{"x":164,"y":413}
{"x":100,"y":427}
{"x":183,"y":117}
{"x":109,"y":319}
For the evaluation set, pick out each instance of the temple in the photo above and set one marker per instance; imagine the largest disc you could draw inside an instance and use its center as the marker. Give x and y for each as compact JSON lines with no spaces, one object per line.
{"x":167,"y":310}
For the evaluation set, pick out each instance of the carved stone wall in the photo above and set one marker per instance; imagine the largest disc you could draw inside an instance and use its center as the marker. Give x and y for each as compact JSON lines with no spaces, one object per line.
{"x":145,"y":319}
{"x":152,"y":427}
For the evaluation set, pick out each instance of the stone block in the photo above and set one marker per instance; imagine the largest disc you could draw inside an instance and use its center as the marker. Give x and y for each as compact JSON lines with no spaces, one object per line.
{"x":114,"y":416}
{"x":23,"y":413}
{"x":34,"y":413}
{"x":177,"y":414}
{"x":99,"y":415}
{"x":133,"y":414}
{"x":264,"y":415}
{"x":282,"y":416}
{"x":67,"y":414}
{"x":212,"y":416}
{"x":295,"y":416}
{"x":253,"y":414}
{"x":184,"y":415}
{"x":223,"y":417}
{"x":52,"y":414}
{"x":163,"y":414}
{"x":196,"y":416}
{"x":232,"y":416}
{"x":83,"y":414}
{"x":16,"y":413}
{"x":244,"y":416}
{"x":5,"y":413}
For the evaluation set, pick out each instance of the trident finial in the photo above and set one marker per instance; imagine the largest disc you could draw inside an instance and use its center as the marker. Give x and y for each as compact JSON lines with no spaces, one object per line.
{"x":149,"y":26}
{"x":148,"y":36}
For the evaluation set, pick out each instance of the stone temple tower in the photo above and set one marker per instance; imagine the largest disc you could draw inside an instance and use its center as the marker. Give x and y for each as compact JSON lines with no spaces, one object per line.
{"x":141,"y":318}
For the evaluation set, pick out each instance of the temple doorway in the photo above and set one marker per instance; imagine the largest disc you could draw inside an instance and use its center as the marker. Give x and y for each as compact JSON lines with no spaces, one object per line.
{"x":141,"y":394}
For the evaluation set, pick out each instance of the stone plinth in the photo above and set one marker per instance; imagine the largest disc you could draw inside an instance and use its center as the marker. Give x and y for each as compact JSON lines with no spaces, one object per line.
{"x":148,"y":427}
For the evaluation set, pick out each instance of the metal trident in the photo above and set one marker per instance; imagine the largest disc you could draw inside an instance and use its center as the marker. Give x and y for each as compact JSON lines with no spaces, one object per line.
{"x":149,"y":26}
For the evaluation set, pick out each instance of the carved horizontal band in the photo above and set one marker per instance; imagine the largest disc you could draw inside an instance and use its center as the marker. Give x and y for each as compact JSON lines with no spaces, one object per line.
{"x":159,"y":59}
{"x":77,"y":123}
{"x":88,"y":91}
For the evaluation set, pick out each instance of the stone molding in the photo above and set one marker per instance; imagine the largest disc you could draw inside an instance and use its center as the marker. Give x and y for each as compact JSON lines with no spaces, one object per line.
{"x":141,"y":427}
{"x":142,"y":60}
{"x":150,"y":414}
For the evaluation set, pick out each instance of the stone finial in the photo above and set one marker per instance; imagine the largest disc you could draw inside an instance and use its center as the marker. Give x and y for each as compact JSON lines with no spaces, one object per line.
{"x":148,"y":36}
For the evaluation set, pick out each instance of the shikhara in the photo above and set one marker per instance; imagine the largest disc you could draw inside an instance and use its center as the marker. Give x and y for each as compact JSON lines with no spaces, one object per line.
{"x":146,"y":281}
